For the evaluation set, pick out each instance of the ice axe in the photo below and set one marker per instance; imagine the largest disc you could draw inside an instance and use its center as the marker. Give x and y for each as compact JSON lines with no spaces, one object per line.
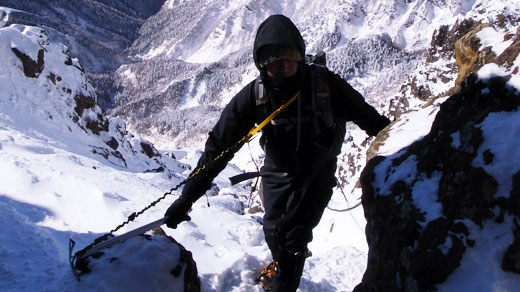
{"x":104,"y":242}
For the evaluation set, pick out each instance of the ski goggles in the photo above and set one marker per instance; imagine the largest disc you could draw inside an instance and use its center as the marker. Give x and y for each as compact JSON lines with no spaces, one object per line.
{"x":270,"y":54}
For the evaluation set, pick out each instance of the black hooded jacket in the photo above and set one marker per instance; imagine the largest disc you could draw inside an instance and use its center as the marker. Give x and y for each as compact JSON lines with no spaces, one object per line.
{"x":288,"y":149}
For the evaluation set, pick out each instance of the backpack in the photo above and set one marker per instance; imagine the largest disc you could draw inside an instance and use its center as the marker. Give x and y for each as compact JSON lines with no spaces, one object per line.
{"x":321,"y":103}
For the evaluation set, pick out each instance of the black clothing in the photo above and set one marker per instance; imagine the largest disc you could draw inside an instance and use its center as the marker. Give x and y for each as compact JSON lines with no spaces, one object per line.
{"x":297,"y":182}
{"x":299,"y":168}
{"x":178,"y":212}
{"x":289,"y":271}
{"x":279,"y":142}
{"x":280,"y":31}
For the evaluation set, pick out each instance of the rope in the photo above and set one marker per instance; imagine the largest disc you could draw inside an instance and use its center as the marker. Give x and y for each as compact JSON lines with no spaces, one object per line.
{"x":346,"y":200}
{"x":253,"y":188}
{"x":348,"y":209}
{"x":128,"y":220}
{"x":272,"y":116}
{"x":196,"y":172}
{"x":345,"y":210}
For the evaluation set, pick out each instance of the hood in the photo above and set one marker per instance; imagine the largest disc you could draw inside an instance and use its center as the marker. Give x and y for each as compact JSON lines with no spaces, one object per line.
{"x":277,"y":30}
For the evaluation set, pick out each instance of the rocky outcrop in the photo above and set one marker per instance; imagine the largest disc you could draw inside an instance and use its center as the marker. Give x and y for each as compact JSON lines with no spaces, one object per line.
{"x":411,"y":246}
{"x":67,"y":99}
{"x":467,"y":51}
{"x":169,"y":265}
{"x":455,"y":52}
{"x":444,"y":39}
{"x":510,"y":54}
{"x":421,"y":85}
{"x":468,"y":55}
{"x":186,"y":264}
{"x":31,"y":68}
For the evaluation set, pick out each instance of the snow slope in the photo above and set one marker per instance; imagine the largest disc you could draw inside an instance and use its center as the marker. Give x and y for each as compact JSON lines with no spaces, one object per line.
{"x":52,"y":187}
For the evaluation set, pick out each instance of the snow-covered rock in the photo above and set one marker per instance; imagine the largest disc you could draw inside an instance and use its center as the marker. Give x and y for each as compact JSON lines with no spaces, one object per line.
{"x":52,"y":91}
{"x":443,"y":212}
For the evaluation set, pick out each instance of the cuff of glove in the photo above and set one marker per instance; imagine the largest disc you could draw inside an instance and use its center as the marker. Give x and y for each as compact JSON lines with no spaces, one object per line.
{"x":178,"y":212}
{"x":183,"y":204}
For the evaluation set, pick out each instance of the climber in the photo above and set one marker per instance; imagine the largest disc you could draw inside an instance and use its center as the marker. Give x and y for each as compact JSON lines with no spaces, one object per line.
{"x":301,"y":144}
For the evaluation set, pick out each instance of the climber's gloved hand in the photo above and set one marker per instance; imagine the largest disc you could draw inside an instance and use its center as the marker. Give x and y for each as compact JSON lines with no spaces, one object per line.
{"x":178,"y":212}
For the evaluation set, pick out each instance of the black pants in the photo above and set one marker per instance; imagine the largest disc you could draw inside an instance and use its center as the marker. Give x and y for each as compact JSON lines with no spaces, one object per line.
{"x":293,"y":207}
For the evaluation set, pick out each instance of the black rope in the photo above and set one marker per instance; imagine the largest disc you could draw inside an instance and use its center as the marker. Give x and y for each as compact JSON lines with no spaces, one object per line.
{"x":253,"y":188}
{"x":345,"y":210}
{"x":197,"y":171}
{"x":128,"y":220}
{"x":203,"y":168}
{"x":346,"y":200}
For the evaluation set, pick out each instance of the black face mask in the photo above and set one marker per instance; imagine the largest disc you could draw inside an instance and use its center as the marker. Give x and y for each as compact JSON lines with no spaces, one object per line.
{"x":278,"y":81}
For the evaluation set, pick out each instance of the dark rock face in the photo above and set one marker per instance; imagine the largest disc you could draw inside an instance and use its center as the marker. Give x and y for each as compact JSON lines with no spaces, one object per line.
{"x":83,"y":103}
{"x":443,"y":39}
{"x":411,"y":250}
{"x":31,"y":68}
{"x":149,"y":149}
{"x":186,"y":263}
{"x":191,"y":276}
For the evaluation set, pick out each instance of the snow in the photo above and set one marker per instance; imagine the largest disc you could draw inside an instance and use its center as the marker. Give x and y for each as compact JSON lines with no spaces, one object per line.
{"x":405,"y":172}
{"x":139,"y":257}
{"x":505,"y":154}
{"x":193,"y":101}
{"x":53,"y":187}
{"x":489,"y":37}
{"x":483,"y":261}
{"x":424,"y":195}
{"x":455,"y":137}
{"x":405,"y":132}
{"x":129,"y":74}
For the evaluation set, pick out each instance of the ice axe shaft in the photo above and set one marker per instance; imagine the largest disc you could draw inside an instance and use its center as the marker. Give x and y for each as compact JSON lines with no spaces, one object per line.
{"x":107,"y":243}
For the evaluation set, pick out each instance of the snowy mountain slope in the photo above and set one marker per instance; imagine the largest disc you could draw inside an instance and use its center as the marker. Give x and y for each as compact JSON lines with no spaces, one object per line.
{"x":51,"y":180}
{"x":53,"y":112}
{"x":205,"y":51}
{"x":54,"y":186}
{"x":49,"y":171}
{"x":97,"y":32}
{"x":91,"y":29}
{"x":75,"y":111}
{"x":207,"y":26}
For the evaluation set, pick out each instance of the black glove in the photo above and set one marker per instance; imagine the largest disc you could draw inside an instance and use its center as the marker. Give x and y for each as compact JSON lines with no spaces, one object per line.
{"x":178,"y":212}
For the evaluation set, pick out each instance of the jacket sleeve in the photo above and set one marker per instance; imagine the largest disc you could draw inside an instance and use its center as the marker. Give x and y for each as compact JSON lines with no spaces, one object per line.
{"x":349,"y":105}
{"x":237,"y":118}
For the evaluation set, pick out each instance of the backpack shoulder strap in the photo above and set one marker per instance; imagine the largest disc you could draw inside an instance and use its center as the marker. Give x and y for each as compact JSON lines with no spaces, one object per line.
{"x":259,"y":91}
{"x":321,"y":100}
{"x":261,"y":100}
